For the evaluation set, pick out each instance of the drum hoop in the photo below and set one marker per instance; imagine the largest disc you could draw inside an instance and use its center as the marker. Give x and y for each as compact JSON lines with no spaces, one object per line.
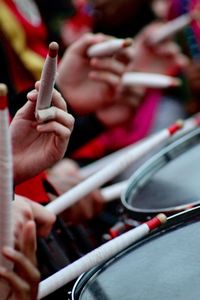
{"x":173,"y":222}
{"x":144,"y":173}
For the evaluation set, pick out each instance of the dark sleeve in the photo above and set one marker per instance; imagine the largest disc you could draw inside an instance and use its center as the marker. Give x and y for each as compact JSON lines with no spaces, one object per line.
{"x":85,"y":129}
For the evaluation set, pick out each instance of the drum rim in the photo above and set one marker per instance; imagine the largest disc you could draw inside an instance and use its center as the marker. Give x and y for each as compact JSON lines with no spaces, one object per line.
{"x":157,"y":161}
{"x":173,"y":222}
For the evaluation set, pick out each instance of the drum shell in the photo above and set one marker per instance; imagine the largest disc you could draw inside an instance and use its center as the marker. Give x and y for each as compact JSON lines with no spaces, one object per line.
{"x":163,"y":265}
{"x":168,"y":182}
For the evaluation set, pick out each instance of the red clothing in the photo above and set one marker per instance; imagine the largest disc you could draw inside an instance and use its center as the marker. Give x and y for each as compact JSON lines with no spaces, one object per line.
{"x":33,"y":189}
{"x":25,"y":42}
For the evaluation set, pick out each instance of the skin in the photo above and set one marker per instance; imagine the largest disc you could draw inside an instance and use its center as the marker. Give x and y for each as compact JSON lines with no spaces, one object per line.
{"x":24,"y":278}
{"x":38,"y":145}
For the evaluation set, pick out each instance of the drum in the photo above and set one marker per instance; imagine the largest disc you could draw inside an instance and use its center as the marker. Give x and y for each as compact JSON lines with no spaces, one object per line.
{"x":165,"y":265}
{"x":168,"y":182}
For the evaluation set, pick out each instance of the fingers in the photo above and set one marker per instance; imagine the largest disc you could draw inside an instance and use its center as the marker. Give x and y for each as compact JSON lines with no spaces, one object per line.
{"x":43,"y":218}
{"x":61,"y":127}
{"x":108,"y":64}
{"x":57,"y":99}
{"x":85,"y":209}
{"x":106,"y":77}
{"x":82,"y":44}
{"x":29,"y":244}
{"x":25,"y":278}
{"x":20,"y":287}
{"x":56,"y":119}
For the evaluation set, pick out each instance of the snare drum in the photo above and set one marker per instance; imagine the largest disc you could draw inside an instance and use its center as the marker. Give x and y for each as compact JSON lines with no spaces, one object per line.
{"x":169,"y":182}
{"x":165,"y":265}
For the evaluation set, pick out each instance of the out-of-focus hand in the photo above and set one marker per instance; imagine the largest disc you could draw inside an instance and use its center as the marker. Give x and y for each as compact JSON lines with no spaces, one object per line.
{"x":64,"y":176}
{"x":164,"y":57}
{"x":24,"y":278}
{"x":76,"y":75}
{"x":38,"y":145}
{"x":26,"y":210}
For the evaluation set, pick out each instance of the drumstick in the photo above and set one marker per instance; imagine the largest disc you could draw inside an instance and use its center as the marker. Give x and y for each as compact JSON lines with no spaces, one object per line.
{"x":108,"y":48}
{"x":113,"y":191}
{"x":189,"y":124}
{"x":172,"y":27}
{"x":110,"y":171}
{"x":151,"y":80}
{"x":98,"y":256}
{"x":47,"y":80}
{"x":6,"y":186}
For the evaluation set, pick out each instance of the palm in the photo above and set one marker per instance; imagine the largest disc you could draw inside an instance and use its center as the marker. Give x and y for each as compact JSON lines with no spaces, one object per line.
{"x":80,"y":89}
{"x":31,"y":148}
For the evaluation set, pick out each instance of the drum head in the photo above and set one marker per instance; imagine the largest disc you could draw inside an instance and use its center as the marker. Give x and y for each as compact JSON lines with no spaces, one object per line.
{"x":166,"y":265}
{"x":168,"y":182}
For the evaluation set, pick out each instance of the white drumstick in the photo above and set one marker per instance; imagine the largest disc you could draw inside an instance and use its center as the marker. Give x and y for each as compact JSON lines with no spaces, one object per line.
{"x":97,"y":256}
{"x":110,"y":171}
{"x":189,"y":124}
{"x":6,"y":186}
{"x":113,"y":191}
{"x":47,"y":80}
{"x":151,"y":80}
{"x":108,"y":48}
{"x":169,"y":29}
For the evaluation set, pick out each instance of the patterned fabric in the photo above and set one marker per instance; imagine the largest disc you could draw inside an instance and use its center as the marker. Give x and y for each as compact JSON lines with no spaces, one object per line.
{"x":191,"y":33}
{"x":24,"y":36}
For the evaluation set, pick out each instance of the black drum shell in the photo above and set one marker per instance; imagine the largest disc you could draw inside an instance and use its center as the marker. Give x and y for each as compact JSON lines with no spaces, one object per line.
{"x":168,"y":182}
{"x":164,"y":265}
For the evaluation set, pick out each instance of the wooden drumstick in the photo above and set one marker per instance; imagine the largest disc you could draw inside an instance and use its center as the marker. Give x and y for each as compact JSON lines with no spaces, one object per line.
{"x":108,"y":48}
{"x":151,"y":80}
{"x":47,"y":80}
{"x":98,"y":256}
{"x":110,"y":171}
{"x":6,"y":186}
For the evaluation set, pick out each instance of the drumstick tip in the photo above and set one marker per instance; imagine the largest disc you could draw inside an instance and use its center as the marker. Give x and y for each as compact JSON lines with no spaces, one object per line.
{"x":3,"y":89}
{"x":127,"y":42}
{"x":175,"y":82}
{"x":162,"y":218}
{"x":156,"y":221}
{"x":53,"y":49}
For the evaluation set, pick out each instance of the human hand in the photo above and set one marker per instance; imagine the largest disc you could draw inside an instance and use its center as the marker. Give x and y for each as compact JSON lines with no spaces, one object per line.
{"x":164,"y":57}
{"x":38,"y":145}
{"x":65,"y":175}
{"x":24,"y":278}
{"x":76,"y":76}
{"x":25,"y":210}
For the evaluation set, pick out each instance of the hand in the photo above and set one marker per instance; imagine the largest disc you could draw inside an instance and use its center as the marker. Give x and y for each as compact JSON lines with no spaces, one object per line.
{"x":26,"y":210}
{"x":76,"y":74}
{"x":64,"y":176}
{"x":165,"y":57}
{"x":24,"y":278}
{"x":37,"y":146}
{"x":85,"y":209}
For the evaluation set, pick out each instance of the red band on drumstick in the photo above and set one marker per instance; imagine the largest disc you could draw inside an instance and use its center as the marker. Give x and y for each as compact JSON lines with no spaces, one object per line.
{"x":3,"y":96}
{"x":175,"y":127}
{"x":53,"y":49}
{"x":3,"y":102}
{"x":155,"y":222}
